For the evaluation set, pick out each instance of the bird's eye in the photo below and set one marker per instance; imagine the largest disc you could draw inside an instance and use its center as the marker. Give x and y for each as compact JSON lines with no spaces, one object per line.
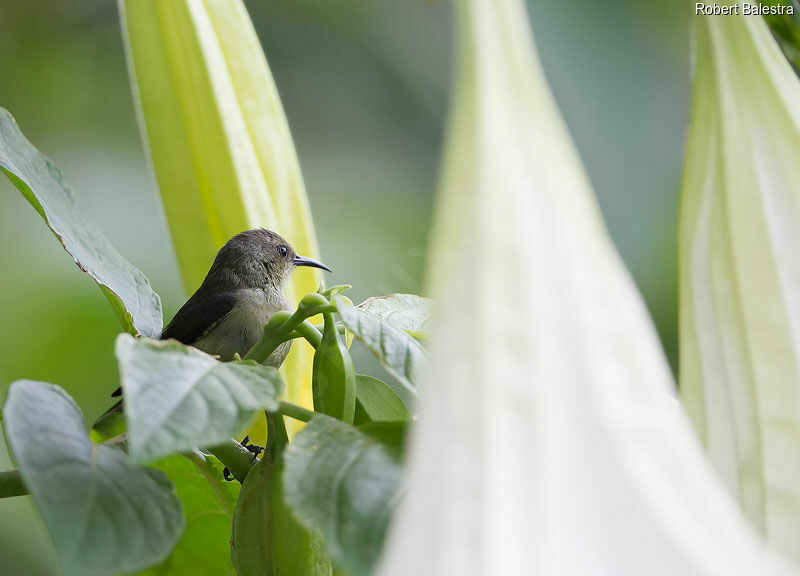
{"x":283,"y":250}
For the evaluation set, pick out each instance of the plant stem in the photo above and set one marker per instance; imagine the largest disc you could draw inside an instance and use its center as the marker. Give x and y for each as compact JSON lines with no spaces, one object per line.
{"x":11,"y":484}
{"x":296,"y":412}
{"x":275,"y":334}
{"x":236,"y":458}
{"x":277,"y":438}
{"x":309,"y":332}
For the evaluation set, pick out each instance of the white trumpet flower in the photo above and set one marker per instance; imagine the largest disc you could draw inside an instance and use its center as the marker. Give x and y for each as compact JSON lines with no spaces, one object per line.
{"x":550,"y":442}
{"x":740,"y":274}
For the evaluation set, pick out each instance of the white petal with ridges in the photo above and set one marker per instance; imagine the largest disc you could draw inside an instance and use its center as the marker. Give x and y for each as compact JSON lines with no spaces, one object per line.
{"x":740,"y":274}
{"x":549,"y":441}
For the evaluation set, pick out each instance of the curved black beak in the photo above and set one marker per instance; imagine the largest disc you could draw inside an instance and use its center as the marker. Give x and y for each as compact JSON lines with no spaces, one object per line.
{"x":303,"y":261}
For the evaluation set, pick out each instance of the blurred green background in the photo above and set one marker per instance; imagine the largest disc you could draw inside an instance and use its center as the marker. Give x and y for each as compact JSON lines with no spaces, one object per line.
{"x":365,"y":86}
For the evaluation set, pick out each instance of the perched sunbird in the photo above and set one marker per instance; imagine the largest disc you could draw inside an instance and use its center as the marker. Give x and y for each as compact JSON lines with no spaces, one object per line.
{"x":242,"y":290}
{"x":240,"y":293}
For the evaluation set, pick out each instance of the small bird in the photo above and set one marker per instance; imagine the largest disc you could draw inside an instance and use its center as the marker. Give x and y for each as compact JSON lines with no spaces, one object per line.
{"x":240,"y":293}
{"x":242,"y":290}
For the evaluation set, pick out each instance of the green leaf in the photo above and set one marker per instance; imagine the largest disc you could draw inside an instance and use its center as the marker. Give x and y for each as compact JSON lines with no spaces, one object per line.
{"x":267,"y":540}
{"x":43,"y":185}
{"x":407,"y":312}
{"x":377,"y":401}
{"x":398,"y":352}
{"x":208,"y":502}
{"x":178,"y":398}
{"x":335,"y":290}
{"x":334,"y":377}
{"x":391,"y":434}
{"x":105,"y":515}
{"x":344,"y":485}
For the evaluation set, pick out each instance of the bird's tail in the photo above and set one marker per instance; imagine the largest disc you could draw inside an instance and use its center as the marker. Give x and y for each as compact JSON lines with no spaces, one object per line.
{"x":111,"y":423}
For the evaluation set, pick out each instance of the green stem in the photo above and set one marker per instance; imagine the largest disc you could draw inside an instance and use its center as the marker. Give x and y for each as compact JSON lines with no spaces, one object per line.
{"x":11,"y":484}
{"x":277,"y":438}
{"x":296,"y":412}
{"x":236,"y":458}
{"x":278,"y":330}
{"x":340,"y":328}
{"x":310,"y":333}
{"x":270,"y":339}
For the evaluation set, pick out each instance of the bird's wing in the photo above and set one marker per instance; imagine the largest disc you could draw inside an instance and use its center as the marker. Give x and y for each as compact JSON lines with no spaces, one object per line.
{"x":195,"y":319}
{"x":199,"y":316}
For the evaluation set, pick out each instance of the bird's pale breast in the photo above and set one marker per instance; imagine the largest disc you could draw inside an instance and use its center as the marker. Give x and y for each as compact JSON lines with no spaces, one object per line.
{"x":241,"y":328}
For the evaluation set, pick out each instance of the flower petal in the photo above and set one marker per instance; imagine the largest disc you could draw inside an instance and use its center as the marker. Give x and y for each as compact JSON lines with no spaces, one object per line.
{"x":550,"y":442}
{"x":740,"y":276}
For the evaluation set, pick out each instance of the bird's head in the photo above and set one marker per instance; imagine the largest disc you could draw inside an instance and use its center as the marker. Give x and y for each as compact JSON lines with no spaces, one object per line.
{"x":257,"y":258}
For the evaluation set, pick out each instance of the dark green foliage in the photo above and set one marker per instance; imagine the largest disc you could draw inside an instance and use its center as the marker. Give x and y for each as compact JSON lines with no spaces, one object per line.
{"x":344,"y":485}
{"x":377,"y":401}
{"x":208,"y":504}
{"x":267,"y":540}
{"x":90,"y":496}
{"x":178,"y":398}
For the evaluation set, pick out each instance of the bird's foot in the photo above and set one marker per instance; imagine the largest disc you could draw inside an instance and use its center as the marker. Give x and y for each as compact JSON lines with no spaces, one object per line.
{"x":254,"y":449}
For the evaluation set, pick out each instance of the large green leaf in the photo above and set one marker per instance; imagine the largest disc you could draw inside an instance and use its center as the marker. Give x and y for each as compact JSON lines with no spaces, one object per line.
{"x":208,"y":502}
{"x":105,"y":515}
{"x":376,"y":401}
{"x":178,"y":398}
{"x":267,"y":540}
{"x":398,"y":352}
{"x":344,"y":485}
{"x":392,"y":434}
{"x":407,"y":312}
{"x":43,"y":185}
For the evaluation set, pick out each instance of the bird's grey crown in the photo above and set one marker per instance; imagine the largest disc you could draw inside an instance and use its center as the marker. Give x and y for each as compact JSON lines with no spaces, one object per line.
{"x":251,"y":260}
